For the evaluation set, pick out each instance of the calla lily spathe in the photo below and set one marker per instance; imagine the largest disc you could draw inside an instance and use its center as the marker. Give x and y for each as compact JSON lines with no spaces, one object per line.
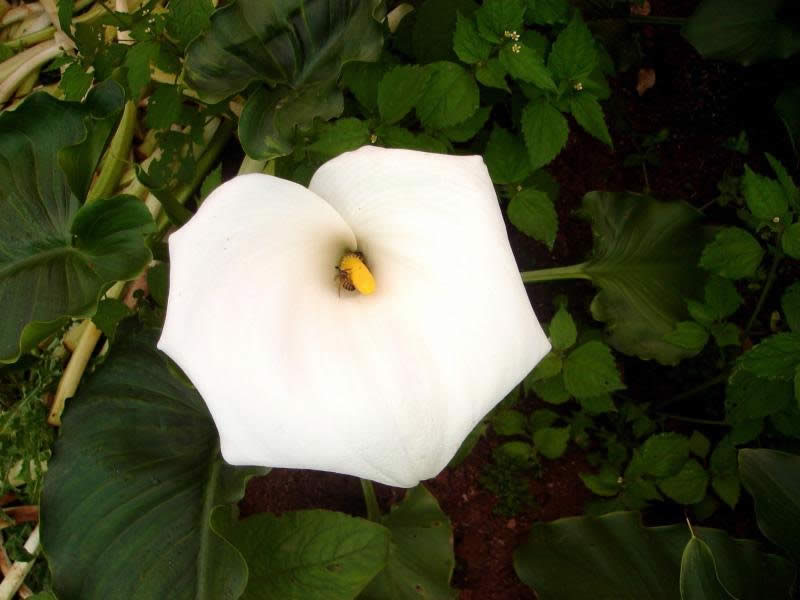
{"x":299,"y":373}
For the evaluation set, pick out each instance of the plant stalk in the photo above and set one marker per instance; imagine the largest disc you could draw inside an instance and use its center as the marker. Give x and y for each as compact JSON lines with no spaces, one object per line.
{"x":773,"y":271}
{"x":556,"y":273}
{"x":116,"y":157}
{"x":371,"y":500}
{"x":20,"y":569}
{"x":714,"y":381}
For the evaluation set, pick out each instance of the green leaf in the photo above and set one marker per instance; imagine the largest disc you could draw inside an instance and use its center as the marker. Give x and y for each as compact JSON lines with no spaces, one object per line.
{"x":790,"y":240}
{"x":469,"y":46}
{"x":164,"y":107}
{"x":551,"y":390}
{"x":547,"y":12}
{"x":699,"y":445}
{"x":400,"y":90}
{"x":563,"y":332}
{"x":526,"y":64}
{"x":589,"y":115}
{"x":496,"y":17}
{"x":551,"y":442}
{"x":267,"y":127}
{"x":687,"y":486}
{"x":749,"y":397}
{"x":186,"y":19}
{"x":790,"y":303}
{"x":250,"y":41}
{"x":110,"y":312}
{"x":507,"y":421}
{"x":725,"y":334}
{"x":549,"y":366}
{"x":542,"y":418}
{"x":434,"y":27}
{"x":773,"y":480}
{"x":158,"y":283}
{"x":688,"y":335}
{"x":664,"y":454}
{"x":519,"y":453}
{"x":725,"y":472}
{"x":492,"y":74}
{"x":361,"y":79}
{"x":398,"y":137}
{"x":596,"y":405}
{"x":340,"y":136}
{"x":450,"y":97}
{"x":139,"y":60}
{"x":421,"y":559}
{"x":699,"y":579}
{"x":741,"y":31}
{"x":138,"y":458}
{"x":75,"y":82}
{"x":790,"y":190}
{"x":764,"y":196}
{"x":545,"y":130}
{"x":590,"y":370}
{"x":605,"y":483}
{"x":506,"y":157}
{"x":466,"y":130}
{"x":532,"y":212}
{"x":573,"y":56}
{"x":721,"y":297}
{"x":775,"y":357}
{"x":614,"y":557}
{"x":306,"y":553}
{"x":643,"y":256}
{"x":58,"y":258}
{"x":733,"y":253}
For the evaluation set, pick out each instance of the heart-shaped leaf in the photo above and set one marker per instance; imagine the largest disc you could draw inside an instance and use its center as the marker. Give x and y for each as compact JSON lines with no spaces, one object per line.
{"x":58,"y":257}
{"x":133,"y":480}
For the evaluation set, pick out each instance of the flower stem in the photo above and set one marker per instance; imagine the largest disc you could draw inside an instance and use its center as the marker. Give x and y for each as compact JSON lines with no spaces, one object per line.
{"x":116,"y":157}
{"x":693,"y":420}
{"x":773,"y":271}
{"x":371,"y":500}
{"x":556,"y":273}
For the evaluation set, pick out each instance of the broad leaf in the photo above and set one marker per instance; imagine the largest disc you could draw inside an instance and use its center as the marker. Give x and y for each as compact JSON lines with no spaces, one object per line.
{"x":421,"y":558}
{"x":590,"y":370}
{"x":532,"y":212}
{"x":733,"y":253}
{"x":773,"y":480}
{"x":742,"y":30}
{"x":615,"y":558}
{"x":316,"y":554}
{"x":644,"y":257}
{"x":57,"y":257}
{"x":134,"y":477}
{"x":545,"y":130}
{"x":699,"y":579}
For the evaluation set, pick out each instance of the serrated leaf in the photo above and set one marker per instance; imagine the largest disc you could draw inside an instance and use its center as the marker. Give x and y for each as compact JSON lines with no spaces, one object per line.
{"x":547,"y":12}
{"x":699,"y":445}
{"x":532,"y":212}
{"x":110,"y":312}
{"x":75,"y":82}
{"x":399,"y":137}
{"x":594,"y":557}
{"x":551,"y":390}
{"x":421,"y":559}
{"x":469,"y":46}
{"x":468,"y":129}
{"x":508,"y":421}
{"x":186,"y":19}
{"x":733,"y":253}
{"x":791,"y":190}
{"x":596,"y":405}
{"x":551,"y":442}
{"x":721,"y":297}
{"x":589,"y":115}
{"x":590,"y":370}
{"x":663,"y":454}
{"x":687,"y":486}
{"x":361,"y":79}
{"x":545,"y":130}
{"x":790,"y":303}
{"x":139,"y":453}
{"x":306,"y":553}
{"x":164,"y":107}
{"x":496,"y":17}
{"x":764,"y":196}
{"x":774,"y":358}
{"x":573,"y":56}
{"x":790,"y":240}
{"x":341,"y":135}
{"x":526,"y":64}
{"x":563,"y":332}
{"x":605,"y":483}
{"x":699,"y":579}
{"x":542,"y":418}
{"x":725,"y":334}
{"x":492,"y":74}
{"x":548,"y":367}
{"x":688,"y":335}
{"x":400,"y":90}
{"x":139,"y":60}
{"x":749,"y":397}
{"x":433,"y":26}
{"x":506,"y":157}
{"x":450,"y":97}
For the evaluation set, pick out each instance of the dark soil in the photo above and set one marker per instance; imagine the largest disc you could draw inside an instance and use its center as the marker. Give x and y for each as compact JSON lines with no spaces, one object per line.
{"x":702,"y":104}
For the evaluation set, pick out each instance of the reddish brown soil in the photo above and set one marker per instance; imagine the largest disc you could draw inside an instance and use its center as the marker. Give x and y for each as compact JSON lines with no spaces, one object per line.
{"x":702,"y":103}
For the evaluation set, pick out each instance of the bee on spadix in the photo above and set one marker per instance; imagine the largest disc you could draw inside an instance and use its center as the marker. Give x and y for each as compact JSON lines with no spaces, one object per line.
{"x":352,"y":273}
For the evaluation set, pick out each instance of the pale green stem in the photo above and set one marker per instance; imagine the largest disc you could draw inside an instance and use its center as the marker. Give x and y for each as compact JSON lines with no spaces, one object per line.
{"x":26,"y":85}
{"x":45,"y":55}
{"x":556,"y":273}
{"x":45,"y":34}
{"x":116,"y":157}
{"x":251,"y":165}
{"x":371,"y":500}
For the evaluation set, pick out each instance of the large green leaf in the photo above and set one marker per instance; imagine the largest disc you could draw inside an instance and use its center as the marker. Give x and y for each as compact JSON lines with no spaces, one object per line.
{"x":56,"y":258}
{"x":421,"y":558}
{"x":614,"y":557}
{"x":773,"y":479}
{"x":744,"y":31}
{"x":645,"y":262}
{"x":306,"y":554}
{"x":132,"y":483}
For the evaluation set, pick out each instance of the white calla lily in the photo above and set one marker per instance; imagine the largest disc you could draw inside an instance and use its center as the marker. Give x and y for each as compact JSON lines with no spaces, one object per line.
{"x":300,"y":373}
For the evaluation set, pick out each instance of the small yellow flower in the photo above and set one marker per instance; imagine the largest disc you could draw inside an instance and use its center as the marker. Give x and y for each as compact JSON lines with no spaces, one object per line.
{"x":515,"y":48}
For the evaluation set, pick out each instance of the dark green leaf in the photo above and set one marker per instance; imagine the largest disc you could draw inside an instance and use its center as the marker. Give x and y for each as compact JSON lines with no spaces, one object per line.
{"x":506,"y":157}
{"x":699,"y":445}
{"x":542,"y":418}
{"x":547,"y":12}
{"x":773,"y":479}
{"x":492,"y":74}
{"x":573,"y":56}
{"x":466,"y":130}
{"x":725,"y":334}
{"x":75,"y":82}
{"x":733,"y":253}
{"x":340,"y":136}
{"x":158,"y":283}
{"x":421,"y":559}
{"x":688,"y":335}
{"x":164,"y":107}
{"x":776,"y":357}
{"x":110,"y":312}
{"x":398,"y":137}
{"x":526,"y":64}
{"x":470,"y":47}
{"x":496,"y":17}
{"x":548,"y":367}
{"x":764,"y":196}
{"x":508,"y":421}
{"x":551,"y":442}
{"x":790,"y":303}
{"x":400,"y":90}
{"x":305,"y":554}
{"x":545,"y":130}
{"x":788,"y":108}
{"x":725,"y":472}
{"x":450,"y":97}
{"x":790,"y":190}
{"x":605,"y":483}
{"x":138,"y":458}
{"x":186,"y":19}
{"x":590,"y":370}
{"x":615,"y":558}
{"x":532,"y":212}
{"x":749,"y":397}
{"x":699,"y":579}
{"x":434,"y":26}
{"x":139,"y":60}
{"x":687,"y":486}
{"x":790,"y":240}
{"x":594,"y":405}
{"x":721,"y":297}
{"x":563,"y":332}
{"x":589,"y":115}
{"x":551,"y":390}
{"x":362,"y":79}
{"x":295,"y":43}
{"x":664,"y":454}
